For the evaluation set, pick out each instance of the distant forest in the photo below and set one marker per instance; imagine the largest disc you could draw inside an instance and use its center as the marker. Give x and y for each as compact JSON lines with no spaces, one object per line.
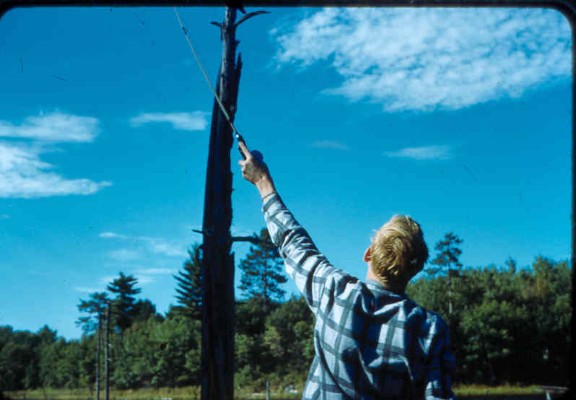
{"x":508,"y":325}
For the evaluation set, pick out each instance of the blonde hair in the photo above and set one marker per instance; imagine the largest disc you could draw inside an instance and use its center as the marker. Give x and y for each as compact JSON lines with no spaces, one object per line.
{"x":398,"y":250}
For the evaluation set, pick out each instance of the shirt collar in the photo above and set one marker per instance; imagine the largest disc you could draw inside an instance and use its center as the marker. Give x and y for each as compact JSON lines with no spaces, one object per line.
{"x":379,"y":287}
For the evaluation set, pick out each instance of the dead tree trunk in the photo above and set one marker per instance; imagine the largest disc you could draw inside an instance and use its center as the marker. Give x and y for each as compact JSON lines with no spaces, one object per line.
{"x":218,"y":262}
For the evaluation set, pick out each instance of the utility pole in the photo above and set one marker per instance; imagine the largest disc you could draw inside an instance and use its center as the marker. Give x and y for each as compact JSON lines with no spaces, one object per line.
{"x":218,"y":307}
{"x":98,"y":351}
{"x":107,"y":353}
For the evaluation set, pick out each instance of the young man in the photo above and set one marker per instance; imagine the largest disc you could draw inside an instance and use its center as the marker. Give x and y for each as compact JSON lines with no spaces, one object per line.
{"x":370,"y":340}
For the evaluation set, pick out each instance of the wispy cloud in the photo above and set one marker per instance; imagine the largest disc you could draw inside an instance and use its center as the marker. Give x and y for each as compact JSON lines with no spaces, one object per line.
{"x":154,"y":245}
{"x":157,"y":252}
{"x":24,"y":175}
{"x":162,"y":246}
{"x":124,"y":255}
{"x":142,"y":279}
{"x":426,"y":59}
{"x":111,"y":235}
{"x":53,"y":127}
{"x":22,"y":172}
{"x":150,"y":275}
{"x":88,"y":290}
{"x":422,"y":153}
{"x":145,"y":279}
{"x":107,"y":279}
{"x":4,"y":216}
{"x":144,"y":276}
{"x":329,"y":144}
{"x":194,"y":121}
{"x":155,"y":271}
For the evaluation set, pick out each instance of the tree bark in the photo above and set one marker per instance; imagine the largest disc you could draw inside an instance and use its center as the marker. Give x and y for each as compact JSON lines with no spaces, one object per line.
{"x":218,"y":308}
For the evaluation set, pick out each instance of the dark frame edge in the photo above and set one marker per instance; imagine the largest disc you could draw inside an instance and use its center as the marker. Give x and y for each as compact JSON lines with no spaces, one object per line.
{"x":566,"y":7}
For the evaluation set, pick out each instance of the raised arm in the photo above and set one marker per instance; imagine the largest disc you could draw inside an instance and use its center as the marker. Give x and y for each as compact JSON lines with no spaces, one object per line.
{"x":309,"y":269}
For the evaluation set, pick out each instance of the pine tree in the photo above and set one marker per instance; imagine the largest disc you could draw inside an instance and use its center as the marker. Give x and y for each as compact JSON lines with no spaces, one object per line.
{"x":95,"y":307}
{"x":448,"y":259}
{"x":262,"y":272}
{"x":145,"y":309}
{"x":124,"y":304}
{"x":189,"y":287}
{"x":448,"y":255}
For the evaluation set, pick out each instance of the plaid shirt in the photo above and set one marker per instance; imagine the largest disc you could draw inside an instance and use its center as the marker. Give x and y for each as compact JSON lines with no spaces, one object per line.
{"x":370,"y":343}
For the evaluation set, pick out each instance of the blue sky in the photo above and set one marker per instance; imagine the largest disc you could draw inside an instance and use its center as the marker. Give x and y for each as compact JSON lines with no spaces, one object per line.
{"x":458,"y":117}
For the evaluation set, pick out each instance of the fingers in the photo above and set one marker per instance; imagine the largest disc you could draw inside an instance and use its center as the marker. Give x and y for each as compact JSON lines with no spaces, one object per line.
{"x":244,"y":149}
{"x":242,"y":164}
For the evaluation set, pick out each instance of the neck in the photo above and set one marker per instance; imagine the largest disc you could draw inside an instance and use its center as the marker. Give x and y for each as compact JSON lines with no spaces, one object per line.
{"x":400,"y":289}
{"x":390,"y":286}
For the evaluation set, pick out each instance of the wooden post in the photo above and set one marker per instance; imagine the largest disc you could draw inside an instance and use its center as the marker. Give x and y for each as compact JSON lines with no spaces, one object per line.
{"x":98,"y":351}
{"x":107,"y":354}
{"x":218,"y":308}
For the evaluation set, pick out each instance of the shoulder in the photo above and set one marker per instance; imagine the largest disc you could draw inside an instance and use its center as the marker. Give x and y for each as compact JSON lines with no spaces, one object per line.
{"x":426,"y":322}
{"x":339,"y":282}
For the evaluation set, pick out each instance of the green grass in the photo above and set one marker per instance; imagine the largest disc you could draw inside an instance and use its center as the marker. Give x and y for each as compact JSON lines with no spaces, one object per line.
{"x":240,"y":394}
{"x":504,"y":390}
{"x":84,"y":394}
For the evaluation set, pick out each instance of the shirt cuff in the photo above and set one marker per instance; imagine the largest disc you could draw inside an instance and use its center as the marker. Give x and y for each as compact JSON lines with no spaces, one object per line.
{"x":270,"y":200}
{"x":270,"y":197}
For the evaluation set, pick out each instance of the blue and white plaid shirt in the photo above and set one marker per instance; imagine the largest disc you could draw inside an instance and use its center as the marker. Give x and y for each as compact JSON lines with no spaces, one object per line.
{"x":369,"y":343}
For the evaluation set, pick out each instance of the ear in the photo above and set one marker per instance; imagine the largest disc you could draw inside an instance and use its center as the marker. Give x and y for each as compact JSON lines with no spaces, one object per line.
{"x":367,"y":255}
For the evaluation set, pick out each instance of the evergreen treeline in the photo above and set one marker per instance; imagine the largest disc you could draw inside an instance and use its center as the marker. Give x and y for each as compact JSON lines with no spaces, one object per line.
{"x":509,"y":325}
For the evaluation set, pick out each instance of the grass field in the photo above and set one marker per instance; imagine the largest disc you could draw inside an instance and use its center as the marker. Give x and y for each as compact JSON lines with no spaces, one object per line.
{"x":194,"y":393}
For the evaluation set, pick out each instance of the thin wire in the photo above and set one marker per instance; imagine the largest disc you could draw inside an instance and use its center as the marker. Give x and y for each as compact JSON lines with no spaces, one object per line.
{"x":222,"y":108}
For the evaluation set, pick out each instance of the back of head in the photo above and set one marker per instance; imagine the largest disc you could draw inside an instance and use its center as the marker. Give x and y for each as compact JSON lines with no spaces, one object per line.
{"x":398,"y":250}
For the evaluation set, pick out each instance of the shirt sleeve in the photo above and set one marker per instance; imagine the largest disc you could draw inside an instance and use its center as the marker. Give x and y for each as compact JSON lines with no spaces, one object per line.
{"x":304,"y":263}
{"x":441,"y":368}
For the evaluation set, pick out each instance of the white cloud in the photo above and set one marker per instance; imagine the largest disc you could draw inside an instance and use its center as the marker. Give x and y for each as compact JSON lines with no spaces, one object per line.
{"x":24,"y":175}
{"x":142,"y":279}
{"x":144,"y":276}
{"x":164,"y":247}
{"x":194,"y":121}
{"x":154,"y":245}
{"x":124,"y":255}
{"x":111,"y":235}
{"x":107,"y":279}
{"x":424,"y":59}
{"x":155,"y":271}
{"x":330,"y":145}
{"x":88,"y":290}
{"x":148,"y":275}
{"x":53,"y":127}
{"x":145,"y":279}
{"x":422,"y":153}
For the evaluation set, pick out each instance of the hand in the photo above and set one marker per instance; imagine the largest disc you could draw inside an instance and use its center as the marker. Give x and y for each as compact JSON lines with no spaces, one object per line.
{"x":255,"y":171}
